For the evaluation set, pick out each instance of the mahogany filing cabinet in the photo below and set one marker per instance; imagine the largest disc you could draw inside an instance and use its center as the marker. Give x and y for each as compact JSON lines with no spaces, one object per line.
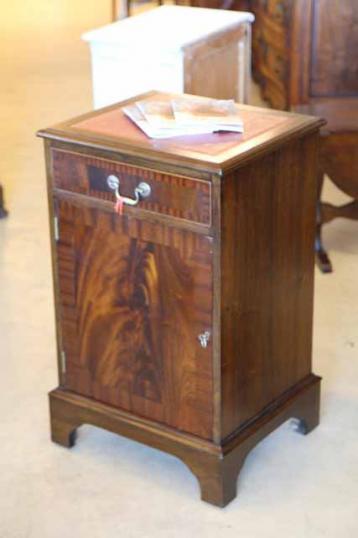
{"x":185,"y":322}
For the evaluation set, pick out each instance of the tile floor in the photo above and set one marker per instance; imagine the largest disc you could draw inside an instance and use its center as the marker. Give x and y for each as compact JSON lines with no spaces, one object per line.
{"x":107,"y":486}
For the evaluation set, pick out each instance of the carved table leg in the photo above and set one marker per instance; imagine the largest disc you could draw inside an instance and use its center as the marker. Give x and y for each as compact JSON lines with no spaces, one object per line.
{"x":3,"y":212}
{"x":322,"y":258}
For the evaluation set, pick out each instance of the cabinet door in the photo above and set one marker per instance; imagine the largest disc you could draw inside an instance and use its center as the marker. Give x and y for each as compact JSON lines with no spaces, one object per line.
{"x":133,"y":298}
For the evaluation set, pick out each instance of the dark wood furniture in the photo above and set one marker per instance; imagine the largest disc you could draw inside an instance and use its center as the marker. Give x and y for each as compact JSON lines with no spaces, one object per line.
{"x":116,"y":7}
{"x":215,"y":4}
{"x":305,"y":59}
{"x":240,"y":5}
{"x":3,"y":212}
{"x":186,"y":322}
{"x":339,"y":158}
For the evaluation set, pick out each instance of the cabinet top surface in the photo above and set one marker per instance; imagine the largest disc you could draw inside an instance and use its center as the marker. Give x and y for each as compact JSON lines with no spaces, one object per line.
{"x":167,"y":27}
{"x":109,"y":129}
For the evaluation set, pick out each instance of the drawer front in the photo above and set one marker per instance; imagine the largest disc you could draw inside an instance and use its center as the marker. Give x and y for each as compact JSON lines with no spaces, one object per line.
{"x":176,"y":196}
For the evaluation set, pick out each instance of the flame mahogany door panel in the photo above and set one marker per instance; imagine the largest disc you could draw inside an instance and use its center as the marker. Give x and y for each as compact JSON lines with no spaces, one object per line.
{"x":133,"y":298}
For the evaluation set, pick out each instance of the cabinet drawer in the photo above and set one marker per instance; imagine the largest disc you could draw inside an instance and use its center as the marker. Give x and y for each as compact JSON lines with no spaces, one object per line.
{"x":176,"y":196}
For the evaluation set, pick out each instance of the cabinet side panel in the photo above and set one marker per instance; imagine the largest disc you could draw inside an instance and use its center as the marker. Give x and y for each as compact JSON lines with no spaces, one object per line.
{"x":268,"y":222}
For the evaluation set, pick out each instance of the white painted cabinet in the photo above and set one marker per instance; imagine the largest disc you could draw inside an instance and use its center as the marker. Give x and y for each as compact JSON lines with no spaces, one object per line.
{"x":173,"y":49}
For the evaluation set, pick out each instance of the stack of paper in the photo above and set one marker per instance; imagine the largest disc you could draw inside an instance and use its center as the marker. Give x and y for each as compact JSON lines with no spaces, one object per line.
{"x":184,"y":116}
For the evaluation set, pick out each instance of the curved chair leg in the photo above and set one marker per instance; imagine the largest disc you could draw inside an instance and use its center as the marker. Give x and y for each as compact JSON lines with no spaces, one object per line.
{"x":322,"y":258}
{"x":3,"y":212}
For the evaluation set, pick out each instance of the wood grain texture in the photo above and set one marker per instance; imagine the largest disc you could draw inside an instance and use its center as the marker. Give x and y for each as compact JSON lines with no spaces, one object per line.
{"x":178,"y":197}
{"x":268,"y":216}
{"x":133,"y":293}
{"x":215,"y":467}
{"x":334,"y":65}
{"x":271,"y":50}
{"x":212,"y":68}
{"x":321,"y":38}
{"x":315,"y":41}
{"x":111,"y":131}
{"x":134,"y":298}
{"x":282,"y":48}
{"x":341,"y":114}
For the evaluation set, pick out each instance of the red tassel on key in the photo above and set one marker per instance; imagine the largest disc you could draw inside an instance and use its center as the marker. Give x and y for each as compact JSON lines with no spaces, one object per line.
{"x":119,"y":205}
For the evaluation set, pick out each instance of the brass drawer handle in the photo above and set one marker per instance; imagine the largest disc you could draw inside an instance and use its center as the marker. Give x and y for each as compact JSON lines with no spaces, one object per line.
{"x":142,"y":190}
